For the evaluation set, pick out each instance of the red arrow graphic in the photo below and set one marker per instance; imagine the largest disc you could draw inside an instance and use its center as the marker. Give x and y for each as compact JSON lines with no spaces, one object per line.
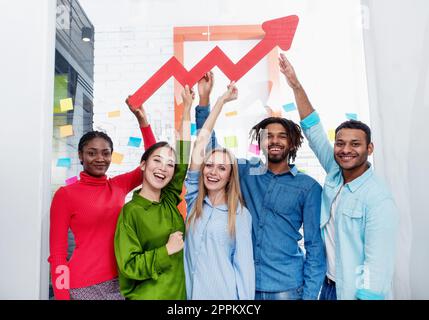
{"x":278,"y":32}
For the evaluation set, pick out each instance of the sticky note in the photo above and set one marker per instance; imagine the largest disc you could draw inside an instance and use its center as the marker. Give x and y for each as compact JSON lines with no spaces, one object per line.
{"x":351,"y":116}
{"x":289,"y":107}
{"x":134,"y":142}
{"x":64,"y":162}
{"x":331,"y":135}
{"x":60,"y":90}
{"x":254,"y":148}
{"x":231,"y":114}
{"x":117,"y":158}
{"x":193,"y":129}
{"x":71,"y":180}
{"x":66,"y":131}
{"x":66,"y":104}
{"x":114,"y":114}
{"x":231,"y":142}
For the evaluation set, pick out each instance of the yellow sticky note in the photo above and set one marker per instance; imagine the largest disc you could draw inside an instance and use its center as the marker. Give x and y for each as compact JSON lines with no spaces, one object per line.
{"x":66,"y":131}
{"x":331,"y":135}
{"x":231,"y":114}
{"x":114,"y":114}
{"x":231,"y":142}
{"x":66,"y":104}
{"x":117,"y":158}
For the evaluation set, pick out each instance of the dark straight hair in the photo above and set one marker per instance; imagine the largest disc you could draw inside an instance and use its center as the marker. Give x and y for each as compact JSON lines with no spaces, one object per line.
{"x":156,"y":146}
{"x":355,"y":124}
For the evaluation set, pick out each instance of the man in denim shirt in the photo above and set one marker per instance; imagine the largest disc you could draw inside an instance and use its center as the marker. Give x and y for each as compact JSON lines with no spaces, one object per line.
{"x":358,"y":215}
{"x":280,"y":200}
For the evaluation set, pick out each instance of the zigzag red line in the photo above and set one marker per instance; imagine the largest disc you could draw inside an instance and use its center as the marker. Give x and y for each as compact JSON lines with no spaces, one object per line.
{"x":275,"y":34}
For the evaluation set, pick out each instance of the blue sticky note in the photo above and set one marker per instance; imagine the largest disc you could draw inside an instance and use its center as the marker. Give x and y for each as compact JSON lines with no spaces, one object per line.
{"x":289,"y":107}
{"x":64,"y":162}
{"x":193,"y":129}
{"x":351,"y":116}
{"x":134,"y":142}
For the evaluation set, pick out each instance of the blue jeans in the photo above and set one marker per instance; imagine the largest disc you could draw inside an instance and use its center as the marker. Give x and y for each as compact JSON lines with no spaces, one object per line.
{"x":329,"y":291}
{"x":292,"y":294}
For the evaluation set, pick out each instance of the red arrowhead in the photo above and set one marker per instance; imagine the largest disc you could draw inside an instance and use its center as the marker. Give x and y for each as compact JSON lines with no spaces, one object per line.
{"x":281,"y":31}
{"x":278,"y":32}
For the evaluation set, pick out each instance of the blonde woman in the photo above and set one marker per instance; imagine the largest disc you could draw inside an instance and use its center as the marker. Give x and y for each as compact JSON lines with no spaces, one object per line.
{"x":218,"y":246}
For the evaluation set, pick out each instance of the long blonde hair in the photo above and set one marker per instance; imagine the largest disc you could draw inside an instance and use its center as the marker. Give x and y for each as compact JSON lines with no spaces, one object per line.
{"x":232,"y":192}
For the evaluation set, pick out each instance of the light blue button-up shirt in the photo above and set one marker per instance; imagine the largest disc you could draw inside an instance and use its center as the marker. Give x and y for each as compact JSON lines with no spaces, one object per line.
{"x":280,"y":204}
{"x":365,"y":223}
{"x":216,"y":265}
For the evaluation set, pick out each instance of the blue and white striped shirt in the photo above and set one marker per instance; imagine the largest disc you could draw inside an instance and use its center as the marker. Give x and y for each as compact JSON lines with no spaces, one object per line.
{"x":217,"y":267}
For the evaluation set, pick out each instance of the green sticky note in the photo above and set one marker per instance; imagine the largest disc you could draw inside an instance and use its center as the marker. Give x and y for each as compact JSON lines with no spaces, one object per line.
{"x":60,"y":91}
{"x":231,"y":142}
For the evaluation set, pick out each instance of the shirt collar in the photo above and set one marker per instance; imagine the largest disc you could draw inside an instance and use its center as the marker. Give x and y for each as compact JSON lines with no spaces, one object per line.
{"x":222,"y":207}
{"x":91,"y":180}
{"x":145,"y":203}
{"x":293,"y":170}
{"x":359,"y":181}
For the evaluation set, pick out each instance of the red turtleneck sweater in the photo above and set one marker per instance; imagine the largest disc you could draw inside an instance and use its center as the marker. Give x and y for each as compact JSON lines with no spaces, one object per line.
{"x":90,"y":208}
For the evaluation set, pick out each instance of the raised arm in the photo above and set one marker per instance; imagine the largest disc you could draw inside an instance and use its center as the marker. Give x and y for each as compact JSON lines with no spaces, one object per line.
{"x":303,"y":103}
{"x":202,"y":111}
{"x":145,"y":128}
{"x":183,"y":146}
{"x":184,"y":133}
{"x":205,"y":132}
{"x":130,"y":180}
{"x":310,"y":121}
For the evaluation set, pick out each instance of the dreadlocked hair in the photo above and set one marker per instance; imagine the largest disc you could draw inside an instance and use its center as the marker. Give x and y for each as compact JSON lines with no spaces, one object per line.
{"x":294,"y":134}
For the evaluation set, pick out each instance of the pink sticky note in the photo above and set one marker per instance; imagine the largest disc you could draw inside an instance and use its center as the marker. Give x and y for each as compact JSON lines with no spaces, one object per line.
{"x":254,"y":148}
{"x":71,"y":180}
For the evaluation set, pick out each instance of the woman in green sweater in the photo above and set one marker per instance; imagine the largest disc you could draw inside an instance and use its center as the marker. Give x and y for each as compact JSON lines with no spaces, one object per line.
{"x":149,"y":233}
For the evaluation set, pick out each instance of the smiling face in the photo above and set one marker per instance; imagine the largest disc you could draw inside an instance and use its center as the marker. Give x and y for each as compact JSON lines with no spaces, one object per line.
{"x":351,"y":150}
{"x":96,"y":157}
{"x":217,"y":171}
{"x":159,"y":167}
{"x":275,"y":143}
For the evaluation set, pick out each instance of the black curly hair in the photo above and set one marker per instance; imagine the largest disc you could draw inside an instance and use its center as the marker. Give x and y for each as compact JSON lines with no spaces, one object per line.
{"x":294,"y":134}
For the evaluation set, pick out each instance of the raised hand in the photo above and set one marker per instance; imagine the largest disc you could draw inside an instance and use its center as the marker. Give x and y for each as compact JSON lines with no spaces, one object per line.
{"x":139,"y":113}
{"x":188,"y":96}
{"x":175,"y":243}
{"x":231,"y":93}
{"x":289,"y":72}
{"x":205,"y":86}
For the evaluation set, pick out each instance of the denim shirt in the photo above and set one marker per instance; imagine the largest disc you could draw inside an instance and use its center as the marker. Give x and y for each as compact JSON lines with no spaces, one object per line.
{"x":365,"y":223}
{"x":280,"y":204}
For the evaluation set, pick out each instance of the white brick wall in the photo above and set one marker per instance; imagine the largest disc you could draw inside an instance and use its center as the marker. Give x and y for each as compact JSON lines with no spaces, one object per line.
{"x":124,"y":59}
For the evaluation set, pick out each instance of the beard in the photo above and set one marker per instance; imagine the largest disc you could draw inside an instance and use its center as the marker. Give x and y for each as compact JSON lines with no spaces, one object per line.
{"x":282,"y":157}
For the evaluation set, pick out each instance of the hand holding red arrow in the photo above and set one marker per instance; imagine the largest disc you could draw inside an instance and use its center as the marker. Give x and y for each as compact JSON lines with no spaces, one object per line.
{"x":278,"y":32}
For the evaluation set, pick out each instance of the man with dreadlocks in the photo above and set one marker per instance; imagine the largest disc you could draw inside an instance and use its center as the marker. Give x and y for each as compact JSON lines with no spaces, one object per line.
{"x":281,"y":200}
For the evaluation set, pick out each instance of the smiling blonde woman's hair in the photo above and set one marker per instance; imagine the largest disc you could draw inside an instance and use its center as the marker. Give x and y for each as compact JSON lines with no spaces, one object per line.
{"x":233,"y":194}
